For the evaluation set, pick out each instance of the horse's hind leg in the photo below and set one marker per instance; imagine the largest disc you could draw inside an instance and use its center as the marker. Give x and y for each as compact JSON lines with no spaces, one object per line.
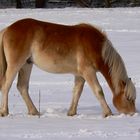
{"x":77,"y":90}
{"x":22,"y":85}
{"x":6,"y":84}
{"x":90,"y":76}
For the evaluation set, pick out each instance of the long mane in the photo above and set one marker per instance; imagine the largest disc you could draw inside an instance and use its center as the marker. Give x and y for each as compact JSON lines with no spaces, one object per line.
{"x":116,"y":65}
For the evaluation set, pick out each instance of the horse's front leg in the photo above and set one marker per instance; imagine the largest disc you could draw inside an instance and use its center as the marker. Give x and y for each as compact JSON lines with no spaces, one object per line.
{"x":91,"y":78}
{"x":77,"y":90}
{"x":6,"y":84}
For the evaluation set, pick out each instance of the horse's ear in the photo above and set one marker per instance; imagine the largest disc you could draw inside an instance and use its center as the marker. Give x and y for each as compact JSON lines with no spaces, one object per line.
{"x":133,"y":81}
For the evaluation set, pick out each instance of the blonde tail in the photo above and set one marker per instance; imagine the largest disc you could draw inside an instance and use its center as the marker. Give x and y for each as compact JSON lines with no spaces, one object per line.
{"x":3,"y":64}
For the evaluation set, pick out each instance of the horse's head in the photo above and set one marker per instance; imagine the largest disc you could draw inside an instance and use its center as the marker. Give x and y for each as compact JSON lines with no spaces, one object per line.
{"x":124,"y":101}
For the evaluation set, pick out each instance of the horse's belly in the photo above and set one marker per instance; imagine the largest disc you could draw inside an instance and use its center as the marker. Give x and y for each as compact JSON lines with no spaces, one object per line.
{"x":55,"y":66}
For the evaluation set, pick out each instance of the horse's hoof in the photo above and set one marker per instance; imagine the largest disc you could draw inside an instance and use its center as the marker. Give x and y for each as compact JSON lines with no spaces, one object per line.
{"x":35,"y":112}
{"x":3,"y":113}
{"x":71,"y":113}
{"x":107,"y":114}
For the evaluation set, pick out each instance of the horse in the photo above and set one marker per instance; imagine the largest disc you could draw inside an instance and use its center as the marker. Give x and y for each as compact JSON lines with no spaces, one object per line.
{"x":81,"y":50}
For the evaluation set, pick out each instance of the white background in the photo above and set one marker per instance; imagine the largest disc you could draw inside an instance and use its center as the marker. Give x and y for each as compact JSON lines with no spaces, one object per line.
{"x":123,"y":28}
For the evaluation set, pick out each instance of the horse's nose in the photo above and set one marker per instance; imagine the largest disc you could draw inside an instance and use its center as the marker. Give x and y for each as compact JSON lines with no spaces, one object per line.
{"x":133,"y":113}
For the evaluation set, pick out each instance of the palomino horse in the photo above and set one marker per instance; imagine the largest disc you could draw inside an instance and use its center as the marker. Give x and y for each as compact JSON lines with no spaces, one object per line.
{"x":81,"y":50}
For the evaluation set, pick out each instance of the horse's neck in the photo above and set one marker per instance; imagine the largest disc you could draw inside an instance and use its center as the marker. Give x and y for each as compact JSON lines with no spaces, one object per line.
{"x":105,"y":71}
{"x":113,"y":67}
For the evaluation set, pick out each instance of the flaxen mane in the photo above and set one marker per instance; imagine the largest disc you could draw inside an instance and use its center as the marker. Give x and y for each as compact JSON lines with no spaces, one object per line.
{"x":117,"y":68}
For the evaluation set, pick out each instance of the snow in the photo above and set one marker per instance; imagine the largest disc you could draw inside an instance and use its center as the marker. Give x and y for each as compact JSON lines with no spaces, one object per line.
{"x":122,"y":25}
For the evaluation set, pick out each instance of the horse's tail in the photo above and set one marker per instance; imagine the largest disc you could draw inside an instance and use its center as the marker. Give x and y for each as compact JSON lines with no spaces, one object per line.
{"x":3,"y":64}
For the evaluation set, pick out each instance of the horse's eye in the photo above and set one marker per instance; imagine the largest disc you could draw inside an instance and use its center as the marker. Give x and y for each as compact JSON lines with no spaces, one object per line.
{"x":129,"y":78}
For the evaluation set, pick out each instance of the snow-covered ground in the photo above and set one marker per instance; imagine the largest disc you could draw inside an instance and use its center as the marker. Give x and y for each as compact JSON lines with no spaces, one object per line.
{"x":123,"y":28}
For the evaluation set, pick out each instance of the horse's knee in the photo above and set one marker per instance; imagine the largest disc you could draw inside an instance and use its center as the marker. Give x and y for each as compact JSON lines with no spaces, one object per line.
{"x":79,"y":82}
{"x":100,"y":95}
